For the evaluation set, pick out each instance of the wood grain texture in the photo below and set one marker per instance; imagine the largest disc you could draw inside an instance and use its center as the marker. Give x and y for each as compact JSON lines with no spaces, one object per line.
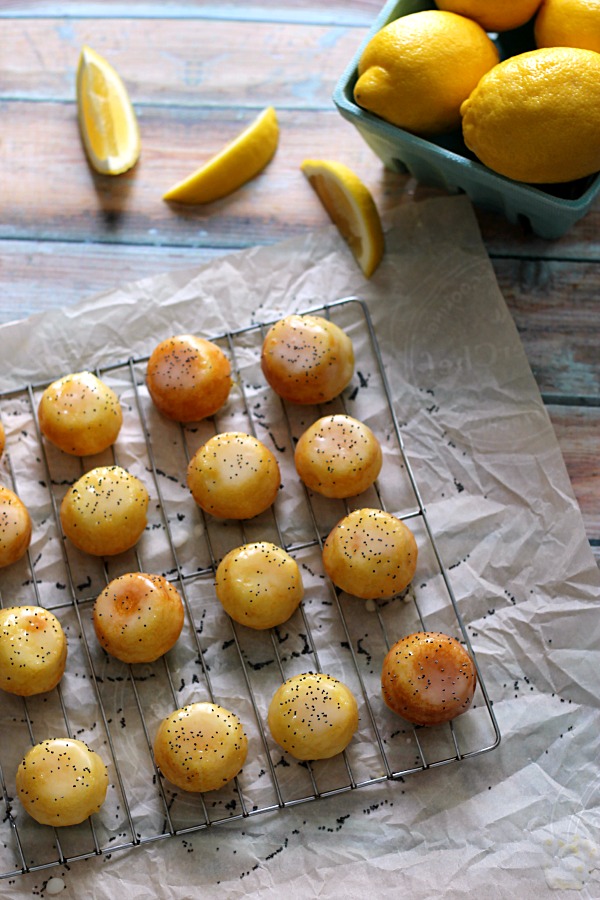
{"x":556,"y":307}
{"x":361,"y":11}
{"x":49,"y":190}
{"x":193,"y":63}
{"x":198,"y":72}
{"x":37,"y":276}
{"x":577,"y":430}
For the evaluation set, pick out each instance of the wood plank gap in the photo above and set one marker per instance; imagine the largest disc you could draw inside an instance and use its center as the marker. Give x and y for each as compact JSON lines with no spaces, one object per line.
{"x":170,"y":105}
{"x":136,"y":242}
{"x":567,"y":400}
{"x":541,"y":257}
{"x":280,"y":16}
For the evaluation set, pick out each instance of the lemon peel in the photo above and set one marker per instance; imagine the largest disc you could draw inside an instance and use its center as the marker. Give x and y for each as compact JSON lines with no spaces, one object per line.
{"x":493,"y":15}
{"x":107,"y":121}
{"x":535,"y":117}
{"x":351,"y":208}
{"x":233,"y":166}
{"x":417,"y":70}
{"x":568,"y":23}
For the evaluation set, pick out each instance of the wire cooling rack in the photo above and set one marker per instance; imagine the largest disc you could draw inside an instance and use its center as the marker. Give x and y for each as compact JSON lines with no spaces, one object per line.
{"x":116,"y":708}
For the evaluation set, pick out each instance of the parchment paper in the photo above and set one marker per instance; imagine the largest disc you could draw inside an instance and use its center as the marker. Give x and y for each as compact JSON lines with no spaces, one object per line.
{"x":523,"y":819}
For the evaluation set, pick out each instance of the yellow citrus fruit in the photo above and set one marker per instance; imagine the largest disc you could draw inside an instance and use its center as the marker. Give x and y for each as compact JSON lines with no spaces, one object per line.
{"x":493,"y":15}
{"x":107,"y":120}
{"x":417,"y":70}
{"x":568,"y":23}
{"x":536,"y":116}
{"x":351,"y":207}
{"x":233,"y":166}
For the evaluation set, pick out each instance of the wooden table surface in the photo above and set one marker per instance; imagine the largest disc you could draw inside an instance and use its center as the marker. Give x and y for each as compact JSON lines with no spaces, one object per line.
{"x":198,"y":72}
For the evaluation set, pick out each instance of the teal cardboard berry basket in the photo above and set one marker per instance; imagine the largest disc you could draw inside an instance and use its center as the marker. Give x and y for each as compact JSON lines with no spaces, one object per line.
{"x":445,"y":162}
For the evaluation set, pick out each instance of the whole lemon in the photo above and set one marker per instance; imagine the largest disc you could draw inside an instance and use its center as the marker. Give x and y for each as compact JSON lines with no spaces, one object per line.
{"x":536,"y":116}
{"x":417,"y":70}
{"x":568,"y":23}
{"x":493,"y":15}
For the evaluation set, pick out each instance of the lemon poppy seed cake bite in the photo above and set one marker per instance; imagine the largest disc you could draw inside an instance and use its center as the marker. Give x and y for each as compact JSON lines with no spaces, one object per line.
{"x":338,"y":456}
{"x":138,"y":617}
{"x":200,"y":747}
{"x":233,"y":476}
{"x":188,"y":378}
{"x":307,"y":359}
{"x":80,"y":414}
{"x":428,"y":678}
{"x":104,"y":512}
{"x":61,"y":782}
{"x":15,"y":527}
{"x":259,"y":585}
{"x":370,"y":554}
{"x":313,"y":716}
{"x":33,"y":650}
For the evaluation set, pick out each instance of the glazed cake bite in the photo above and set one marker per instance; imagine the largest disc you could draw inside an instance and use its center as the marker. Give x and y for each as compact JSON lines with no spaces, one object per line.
{"x":188,"y":378}
{"x":138,"y":617}
{"x":104,"y":512}
{"x":15,"y":527}
{"x":307,"y":359}
{"x":33,"y":650}
{"x":233,"y":476}
{"x":61,"y":782}
{"x":370,"y":554}
{"x":313,"y":716}
{"x":200,"y":747}
{"x":80,"y":414}
{"x":259,"y":585}
{"x":338,"y":456}
{"x":428,"y":678}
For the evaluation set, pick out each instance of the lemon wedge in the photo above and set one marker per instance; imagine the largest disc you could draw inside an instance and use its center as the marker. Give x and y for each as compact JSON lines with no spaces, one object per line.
{"x":107,"y":121}
{"x":233,"y":166}
{"x":351,"y":207}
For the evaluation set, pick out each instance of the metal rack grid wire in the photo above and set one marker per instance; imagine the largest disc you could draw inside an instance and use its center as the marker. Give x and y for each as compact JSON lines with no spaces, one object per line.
{"x":116,"y":708}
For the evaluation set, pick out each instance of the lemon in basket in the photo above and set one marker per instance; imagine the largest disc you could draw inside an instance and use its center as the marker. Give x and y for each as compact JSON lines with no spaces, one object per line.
{"x":493,"y":15}
{"x":417,"y":70}
{"x":568,"y":23}
{"x":233,"y":166}
{"x":107,"y":121}
{"x":351,"y":208}
{"x":536,"y":116}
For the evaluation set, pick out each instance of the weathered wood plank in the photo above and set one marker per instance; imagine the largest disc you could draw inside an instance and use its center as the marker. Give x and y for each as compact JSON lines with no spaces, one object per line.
{"x":196,"y":63}
{"x":578,"y":431}
{"x":49,"y":191}
{"x":556,"y":307}
{"x":579,"y":243}
{"x":292,"y":66}
{"x":335,"y":11}
{"x":36,"y":276}
{"x":505,"y":239}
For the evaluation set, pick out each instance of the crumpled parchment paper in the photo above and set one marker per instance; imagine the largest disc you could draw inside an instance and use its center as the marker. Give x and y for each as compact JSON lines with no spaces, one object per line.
{"x":522,"y":819}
